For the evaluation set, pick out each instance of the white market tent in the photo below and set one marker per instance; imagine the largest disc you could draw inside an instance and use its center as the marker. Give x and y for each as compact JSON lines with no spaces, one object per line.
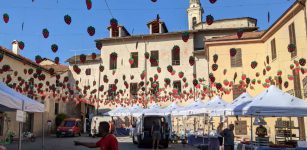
{"x":274,"y":102}
{"x":190,"y":109}
{"x":216,"y":107}
{"x":169,"y":109}
{"x":242,"y":100}
{"x":136,"y":110}
{"x":119,"y":112}
{"x":154,"y":109}
{"x":12,"y":100}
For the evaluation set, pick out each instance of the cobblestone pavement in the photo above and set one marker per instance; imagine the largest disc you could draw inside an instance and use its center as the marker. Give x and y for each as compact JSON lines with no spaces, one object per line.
{"x":53,"y":143}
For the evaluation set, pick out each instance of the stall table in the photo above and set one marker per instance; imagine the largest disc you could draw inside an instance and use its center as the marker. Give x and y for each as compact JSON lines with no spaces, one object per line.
{"x":196,"y":140}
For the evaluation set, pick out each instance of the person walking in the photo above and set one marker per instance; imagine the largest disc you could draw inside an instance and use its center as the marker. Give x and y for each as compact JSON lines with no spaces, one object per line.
{"x":220,"y":137}
{"x":156,"y":134}
{"x":107,"y":142}
{"x":228,"y":137}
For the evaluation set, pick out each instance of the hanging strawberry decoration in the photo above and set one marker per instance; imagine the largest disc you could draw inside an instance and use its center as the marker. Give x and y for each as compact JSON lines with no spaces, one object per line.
{"x":254,"y":64}
{"x":215,"y":58}
{"x":156,"y":77}
{"x":131,"y":60}
{"x":184,"y":79}
{"x":212,"y":1}
{"x":56,"y":60}
{"x":180,"y":74}
{"x":101,"y":68}
{"x":38,"y":59}
{"x":173,"y":72}
{"x":290,"y":77}
{"x":224,"y":71}
{"x":209,"y":19}
{"x":113,"y":55}
{"x":154,"y":1}
{"x":51,"y":71}
{"x":243,"y":76}
{"x":268,"y":68}
{"x":98,"y":45}
{"x":146,"y":54}
{"x":30,"y":71}
{"x":195,"y":82}
{"x":113,"y":23}
{"x":302,"y":61}
{"x":6,"y":18}
{"x":1,"y":57}
{"x":6,"y":68}
{"x":153,"y":60}
{"x":192,"y":60}
{"x":21,"y":45}
{"x":286,"y":84}
{"x":167,"y":81}
{"x":279,"y":72}
{"x":82,"y":58}
{"x":291,"y":66}
{"x":54,"y":48}
{"x":233,"y":52}
{"x":94,"y":56}
{"x":91,"y":30}
{"x":159,"y":69}
{"x":45,"y":33}
{"x":214,"y":67}
{"x":240,"y":33}
{"x":254,"y":81}
{"x":67,"y":19}
{"x":226,"y":82}
{"x":212,"y":78}
{"x":291,"y":48}
{"x":185,"y":36}
{"x":169,"y":68}
{"x":218,"y":86}
{"x":88,"y":4}
{"x":296,"y":63}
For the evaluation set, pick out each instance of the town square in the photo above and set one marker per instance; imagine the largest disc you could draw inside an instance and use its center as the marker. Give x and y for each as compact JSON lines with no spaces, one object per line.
{"x":153,"y":74}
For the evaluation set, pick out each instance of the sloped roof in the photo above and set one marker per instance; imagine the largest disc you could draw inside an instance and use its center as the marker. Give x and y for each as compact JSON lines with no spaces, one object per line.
{"x":76,"y":59}
{"x":246,"y":35}
{"x":58,"y":68}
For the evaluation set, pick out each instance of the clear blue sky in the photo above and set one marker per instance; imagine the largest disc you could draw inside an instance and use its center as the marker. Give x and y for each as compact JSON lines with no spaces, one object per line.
{"x":133,"y":14}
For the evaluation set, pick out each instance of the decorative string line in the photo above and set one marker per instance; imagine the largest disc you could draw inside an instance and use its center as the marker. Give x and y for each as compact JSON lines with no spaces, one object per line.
{"x":144,"y":9}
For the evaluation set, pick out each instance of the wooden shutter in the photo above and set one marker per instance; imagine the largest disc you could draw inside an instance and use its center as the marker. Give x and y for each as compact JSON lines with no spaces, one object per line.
{"x":292,"y":38}
{"x":88,"y":71}
{"x":113,"y":63}
{"x":273,"y":49}
{"x":177,"y":85}
{"x":236,"y":61}
{"x":297,"y":85}
{"x":175,"y":58}
{"x":236,"y":91}
{"x":134,"y":90}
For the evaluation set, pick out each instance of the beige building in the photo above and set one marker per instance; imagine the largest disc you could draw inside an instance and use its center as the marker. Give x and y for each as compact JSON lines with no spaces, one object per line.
{"x":268,"y":51}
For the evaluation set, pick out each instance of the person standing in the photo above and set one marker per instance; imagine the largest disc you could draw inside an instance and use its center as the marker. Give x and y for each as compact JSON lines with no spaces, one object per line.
{"x":228,"y":137}
{"x":220,"y":137}
{"x":156,"y":134}
{"x":107,"y":142}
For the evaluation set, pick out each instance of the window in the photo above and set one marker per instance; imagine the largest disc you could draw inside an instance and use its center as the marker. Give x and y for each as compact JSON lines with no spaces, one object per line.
{"x":292,"y":38}
{"x":111,"y":93}
{"x":115,"y":32}
{"x":194,"y":22}
{"x":113,"y":63}
{"x":156,"y":55}
{"x":237,"y":91}
{"x":236,"y":61}
{"x":155,"y":27}
{"x":56,"y":108}
{"x":135,"y":57}
{"x":305,"y":86}
{"x":177,"y":85}
{"x":175,"y":57}
{"x":88,"y":71}
{"x":273,"y":49}
{"x":134,"y":90}
{"x":297,"y":85}
{"x":155,"y":90}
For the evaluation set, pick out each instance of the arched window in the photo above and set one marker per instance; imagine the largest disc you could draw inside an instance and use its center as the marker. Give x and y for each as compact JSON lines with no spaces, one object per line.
{"x":194,"y":21}
{"x":113,"y":63}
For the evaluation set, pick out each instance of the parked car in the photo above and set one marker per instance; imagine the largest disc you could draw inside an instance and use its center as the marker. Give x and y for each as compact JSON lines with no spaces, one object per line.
{"x":69,"y":127}
{"x":142,"y":130}
{"x":95,"y":124}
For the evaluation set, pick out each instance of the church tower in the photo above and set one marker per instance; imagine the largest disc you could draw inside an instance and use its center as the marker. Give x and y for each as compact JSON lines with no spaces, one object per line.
{"x":195,"y":13}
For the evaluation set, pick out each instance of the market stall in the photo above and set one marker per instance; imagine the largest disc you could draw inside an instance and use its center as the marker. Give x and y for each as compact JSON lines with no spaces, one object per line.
{"x":272,"y":103}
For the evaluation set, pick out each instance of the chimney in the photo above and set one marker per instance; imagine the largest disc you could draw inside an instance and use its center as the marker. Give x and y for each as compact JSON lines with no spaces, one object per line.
{"x":119,"y":31}
{"x":15,"y":47}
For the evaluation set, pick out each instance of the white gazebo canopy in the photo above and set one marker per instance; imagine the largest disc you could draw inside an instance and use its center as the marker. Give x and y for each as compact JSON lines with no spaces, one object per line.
{"x":119,"y":112}
{"x":216,"y":107}
{"x":234,"y":108}
{"x":154,"y":109}
{"x":190,"y":109}
{"x":274,"y":102}
{"x":169,"y":109}
{"x":136,"y":110}
{"x":12,"y":100}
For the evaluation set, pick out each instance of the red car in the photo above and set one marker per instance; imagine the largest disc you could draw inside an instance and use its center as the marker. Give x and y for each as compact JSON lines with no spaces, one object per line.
{"x":69,"y":127}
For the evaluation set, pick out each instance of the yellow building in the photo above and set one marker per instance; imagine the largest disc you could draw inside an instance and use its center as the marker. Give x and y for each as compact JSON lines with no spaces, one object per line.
{"x":267,"y":52}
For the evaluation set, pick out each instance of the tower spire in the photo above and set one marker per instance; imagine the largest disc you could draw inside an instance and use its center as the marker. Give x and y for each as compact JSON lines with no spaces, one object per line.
{"x":195,"y":13}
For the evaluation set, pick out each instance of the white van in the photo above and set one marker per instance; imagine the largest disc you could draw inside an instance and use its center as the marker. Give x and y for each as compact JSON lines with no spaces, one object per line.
{"x":142,"y":130}
{"x":95,"y":124}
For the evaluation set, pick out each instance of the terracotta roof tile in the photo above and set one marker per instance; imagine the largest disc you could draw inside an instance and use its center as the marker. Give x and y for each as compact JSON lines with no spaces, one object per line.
{"x":76,"y":59}
{"x":246,"y":35}
{"x":58,"y":68}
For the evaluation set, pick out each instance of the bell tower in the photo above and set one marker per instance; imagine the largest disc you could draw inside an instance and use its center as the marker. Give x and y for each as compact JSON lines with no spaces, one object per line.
{"x":195,"y":13}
